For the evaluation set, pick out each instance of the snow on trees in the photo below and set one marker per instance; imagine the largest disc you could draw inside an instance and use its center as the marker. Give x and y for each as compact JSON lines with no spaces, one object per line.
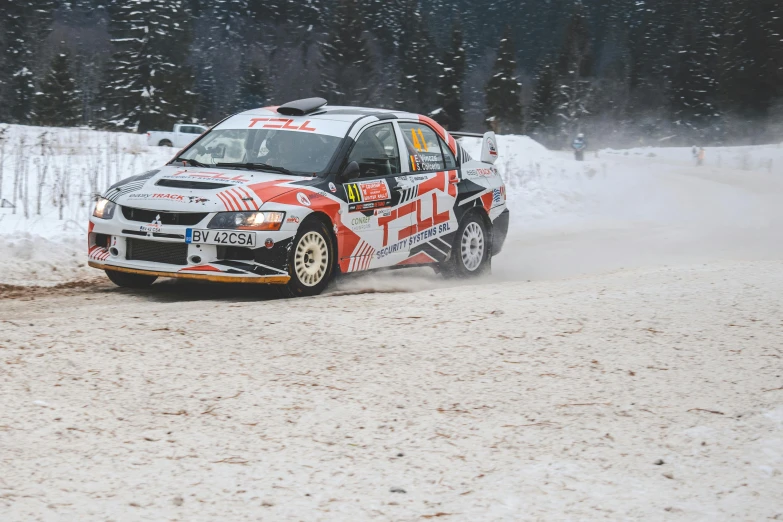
{"x":58,"y":102}
{"x":504,"y":105}
{"x":147,"y":82}
{"x":450,"y":113}
{"x":345,"y":65}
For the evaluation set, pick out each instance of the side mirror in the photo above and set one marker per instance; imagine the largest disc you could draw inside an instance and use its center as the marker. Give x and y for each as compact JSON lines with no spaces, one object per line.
{"x":351,"y":172}
{"x":489,"y":148}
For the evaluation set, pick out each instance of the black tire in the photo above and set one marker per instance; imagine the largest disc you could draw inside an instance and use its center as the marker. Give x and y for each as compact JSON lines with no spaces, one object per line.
{"x":165,"y":143}
{"x":126,"y":280}
{"x":311,"y":261}
{"x":471,"y":253}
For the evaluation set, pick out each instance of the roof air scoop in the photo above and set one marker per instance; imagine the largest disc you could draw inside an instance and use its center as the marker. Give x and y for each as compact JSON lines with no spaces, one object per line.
{"x":301,"y":107}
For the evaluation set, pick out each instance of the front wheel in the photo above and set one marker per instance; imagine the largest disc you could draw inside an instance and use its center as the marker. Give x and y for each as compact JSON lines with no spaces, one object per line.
{"x":311,"y":261}
{"x":470,"y":253}
{"x":126,"y":280}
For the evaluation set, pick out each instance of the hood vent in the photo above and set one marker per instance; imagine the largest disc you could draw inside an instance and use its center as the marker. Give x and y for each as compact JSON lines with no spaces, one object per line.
{"x":195,"y":185}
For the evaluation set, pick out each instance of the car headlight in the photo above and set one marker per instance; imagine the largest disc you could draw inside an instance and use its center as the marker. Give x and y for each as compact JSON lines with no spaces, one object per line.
{"x":104,"y":209}
{"x":248,"y":220}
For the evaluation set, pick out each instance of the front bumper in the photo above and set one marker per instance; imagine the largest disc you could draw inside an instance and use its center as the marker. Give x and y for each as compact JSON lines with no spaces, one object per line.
{"x":117,"y":244}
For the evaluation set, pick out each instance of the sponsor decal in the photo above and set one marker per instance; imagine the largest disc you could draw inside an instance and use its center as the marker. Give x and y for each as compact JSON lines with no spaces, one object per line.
{"x":481,"y":172}
{"x":332,"y":187}
{"x":359,"y":207}
{"x":493,"y":151}
{"x":415,"y":179}
{"x":281,"y":123}
{"x":361,"y":222}
{"x":497,"y":196}
{"x":383,"y":212}
{"x":292,"y":219}
{"x":302,"y":199}
{"x":151,"y":228}
{"x":412,"y":241}
{"x":420,"y":222}
{"x":367,"y":191}
{"x":179,"y":198}
{"x":212,"y":176}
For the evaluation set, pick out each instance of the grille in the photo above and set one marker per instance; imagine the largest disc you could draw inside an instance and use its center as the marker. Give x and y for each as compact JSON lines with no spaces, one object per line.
{"x":166,"y":218}
{"x":156,"y":251}
{"x":197,"y":185}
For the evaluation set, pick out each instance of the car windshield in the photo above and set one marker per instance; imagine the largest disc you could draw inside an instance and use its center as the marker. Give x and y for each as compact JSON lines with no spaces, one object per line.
{"x":301,"y":153}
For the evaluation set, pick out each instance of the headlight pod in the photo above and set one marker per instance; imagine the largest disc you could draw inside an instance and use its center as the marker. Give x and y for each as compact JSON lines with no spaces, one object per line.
{"x":104,"y":209}
{"x":248,"y":220}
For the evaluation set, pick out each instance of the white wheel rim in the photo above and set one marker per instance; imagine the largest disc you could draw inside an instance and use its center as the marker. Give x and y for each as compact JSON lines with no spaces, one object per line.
{"x":311,"y":259}
{"x":472,"y":246}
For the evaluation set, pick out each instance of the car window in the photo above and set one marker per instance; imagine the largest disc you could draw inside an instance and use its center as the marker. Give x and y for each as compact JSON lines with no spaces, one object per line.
{"x":190,"y":130}
{"x":423,"y":146}
{"x":376,"y":152}
{"x":303,"y":153}
{"x":448,"y":156}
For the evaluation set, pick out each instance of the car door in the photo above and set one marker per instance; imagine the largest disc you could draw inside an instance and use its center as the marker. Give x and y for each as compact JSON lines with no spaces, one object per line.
{"x":373,"y":200}
{"x":430,"y":188}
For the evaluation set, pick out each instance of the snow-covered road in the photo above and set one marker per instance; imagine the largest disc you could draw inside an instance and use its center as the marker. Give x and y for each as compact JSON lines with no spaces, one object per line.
{"x":545,"y":400}
{"x":624,"y":361}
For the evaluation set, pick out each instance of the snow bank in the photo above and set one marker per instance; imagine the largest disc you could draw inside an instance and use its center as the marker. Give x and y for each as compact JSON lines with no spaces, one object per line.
{"x":541,"y":185}
{"x":550,"y":195}
{"x":30,"y":259}
{"x":50,"y":176}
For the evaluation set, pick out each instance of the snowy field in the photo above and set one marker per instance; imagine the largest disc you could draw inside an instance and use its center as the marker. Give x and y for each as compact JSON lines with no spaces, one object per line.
{"x":50,"y":176}
{"x":624,"y":361}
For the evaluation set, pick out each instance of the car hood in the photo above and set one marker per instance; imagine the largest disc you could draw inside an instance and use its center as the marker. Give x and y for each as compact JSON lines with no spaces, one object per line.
{"x":191,"y":189}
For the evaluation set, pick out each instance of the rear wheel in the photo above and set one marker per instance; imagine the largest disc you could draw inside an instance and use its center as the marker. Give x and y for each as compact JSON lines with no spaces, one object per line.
{"x":311,"y":261}
{"x":470,"y":253}
{"x":126,"y":280}
{"x":165,"y":143}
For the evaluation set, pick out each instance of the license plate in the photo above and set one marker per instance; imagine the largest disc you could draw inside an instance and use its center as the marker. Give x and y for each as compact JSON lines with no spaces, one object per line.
{"x":220,"y":237}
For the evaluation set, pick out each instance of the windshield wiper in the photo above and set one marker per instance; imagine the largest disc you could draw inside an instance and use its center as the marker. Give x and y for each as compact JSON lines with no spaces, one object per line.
{"x":190,"y":162}
{"x":257,"y":166}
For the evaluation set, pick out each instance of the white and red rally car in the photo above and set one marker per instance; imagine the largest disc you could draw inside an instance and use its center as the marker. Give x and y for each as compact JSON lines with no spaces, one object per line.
{"x":293,"y":195}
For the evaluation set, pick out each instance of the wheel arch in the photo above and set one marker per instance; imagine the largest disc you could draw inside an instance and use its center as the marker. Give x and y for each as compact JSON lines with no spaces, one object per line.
{"x":480,"y":211}
{"x":323,"y":218}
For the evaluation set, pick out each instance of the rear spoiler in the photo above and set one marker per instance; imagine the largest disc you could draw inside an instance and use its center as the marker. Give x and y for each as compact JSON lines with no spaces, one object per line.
{"x":466,"y":135}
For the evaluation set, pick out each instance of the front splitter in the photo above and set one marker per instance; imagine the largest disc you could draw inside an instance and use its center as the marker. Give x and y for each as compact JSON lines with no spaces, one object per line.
{"x":264,"y":280}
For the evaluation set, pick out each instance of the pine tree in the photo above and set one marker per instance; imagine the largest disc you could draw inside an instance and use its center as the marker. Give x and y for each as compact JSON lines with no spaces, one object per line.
{"x":148,"y":85}
{"x":23,"y":25}
{"x":504,"y":105}
{"x":693,"y":68}
{"x":58,"y":102}
{"x":346,"y":65}
{"x":751,"y":77}
{"x":450,"y":113}
{"x":221,"y":35}
{"x":417,"y":85}
{"x":574,"y":71}
{"x":542,"y":110}
{"x":253,"y":92}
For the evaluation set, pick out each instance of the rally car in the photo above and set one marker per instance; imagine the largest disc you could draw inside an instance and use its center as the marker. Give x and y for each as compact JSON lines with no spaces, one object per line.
{"x":295,"y":194}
